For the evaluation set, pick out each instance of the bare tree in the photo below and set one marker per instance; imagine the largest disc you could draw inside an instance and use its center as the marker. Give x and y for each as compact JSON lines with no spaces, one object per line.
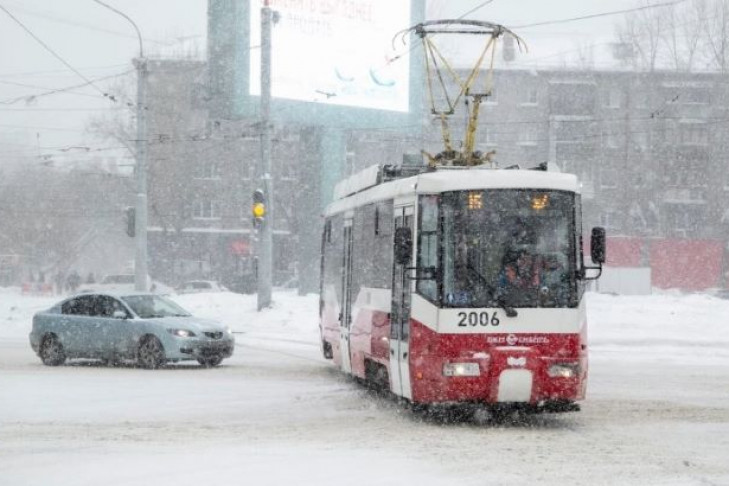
{"x":641,"y":33}
{"x":716,"y":35}
{"x":117,"y":125}
{"x":672,"y":36}
{"x":683,"y":32}
{"x":48,"y":214}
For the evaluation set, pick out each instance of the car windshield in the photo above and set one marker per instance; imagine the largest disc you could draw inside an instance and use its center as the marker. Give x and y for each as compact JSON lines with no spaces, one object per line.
{"x":152,"y":306}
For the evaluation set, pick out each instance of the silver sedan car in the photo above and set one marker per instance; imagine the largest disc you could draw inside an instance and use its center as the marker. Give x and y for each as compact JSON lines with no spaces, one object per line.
{"x":150,"y":329}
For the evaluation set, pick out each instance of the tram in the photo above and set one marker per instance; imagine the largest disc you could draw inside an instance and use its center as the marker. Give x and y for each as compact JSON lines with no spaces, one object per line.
{"x":459,"y":285}
{"x":456,"y":281}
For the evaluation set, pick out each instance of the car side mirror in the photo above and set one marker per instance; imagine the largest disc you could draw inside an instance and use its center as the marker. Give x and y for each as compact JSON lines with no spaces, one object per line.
{"x":403,"y":245}
{"x":119,"y":314}
{"x":597,"y":245}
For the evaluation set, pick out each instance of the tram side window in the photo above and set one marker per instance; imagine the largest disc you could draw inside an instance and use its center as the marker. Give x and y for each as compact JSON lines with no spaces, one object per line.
{"x":383,"y":219}
{"x":362,"y":250}
{"x":428,"y":246}
{"x":332,"y":267}
{"x":381,"y":242}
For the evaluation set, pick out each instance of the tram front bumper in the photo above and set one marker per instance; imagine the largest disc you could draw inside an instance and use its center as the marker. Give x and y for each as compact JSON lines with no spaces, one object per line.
{"x":499,"y":377}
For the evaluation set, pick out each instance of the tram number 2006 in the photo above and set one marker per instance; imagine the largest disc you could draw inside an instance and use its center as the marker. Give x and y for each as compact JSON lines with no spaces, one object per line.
{"x":477,"y":319}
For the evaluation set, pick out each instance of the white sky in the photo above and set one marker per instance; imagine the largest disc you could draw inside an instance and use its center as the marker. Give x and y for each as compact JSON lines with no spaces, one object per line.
{"x":99,"y":43}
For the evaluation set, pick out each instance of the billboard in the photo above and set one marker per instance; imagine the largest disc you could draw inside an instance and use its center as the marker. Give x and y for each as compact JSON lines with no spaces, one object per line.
{"x":335,"y":52}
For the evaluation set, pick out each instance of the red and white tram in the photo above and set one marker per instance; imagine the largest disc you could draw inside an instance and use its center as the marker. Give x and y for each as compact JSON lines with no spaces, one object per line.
{"x":459,"y":285}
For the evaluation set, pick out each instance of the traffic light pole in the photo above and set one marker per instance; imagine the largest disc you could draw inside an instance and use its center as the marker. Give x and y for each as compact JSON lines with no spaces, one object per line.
{"x":265,"y":240}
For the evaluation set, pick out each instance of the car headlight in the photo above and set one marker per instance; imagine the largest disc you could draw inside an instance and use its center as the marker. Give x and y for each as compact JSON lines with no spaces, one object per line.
{"x":229,"y":330}
{"x":183,"y":333}
{"x":461,"y":369}
{"x":564,"y":370}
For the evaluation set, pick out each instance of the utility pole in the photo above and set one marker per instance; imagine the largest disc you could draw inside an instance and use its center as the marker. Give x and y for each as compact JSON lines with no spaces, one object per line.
{"x":140,"y":219}
{"x":265,"y":240}
{"x":140,"y":224}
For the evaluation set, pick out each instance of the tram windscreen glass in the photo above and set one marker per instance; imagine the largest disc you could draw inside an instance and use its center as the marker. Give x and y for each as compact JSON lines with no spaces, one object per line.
{"x":508,"y":247}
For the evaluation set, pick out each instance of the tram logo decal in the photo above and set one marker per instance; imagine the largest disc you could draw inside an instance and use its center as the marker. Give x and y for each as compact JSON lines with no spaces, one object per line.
{"x":513,"y":340}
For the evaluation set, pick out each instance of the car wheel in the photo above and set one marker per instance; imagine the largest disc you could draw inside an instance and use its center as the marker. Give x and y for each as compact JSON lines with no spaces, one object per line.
{"x":210,"y":361}
{"x":151,"y":354}
{"x":51,"y":352}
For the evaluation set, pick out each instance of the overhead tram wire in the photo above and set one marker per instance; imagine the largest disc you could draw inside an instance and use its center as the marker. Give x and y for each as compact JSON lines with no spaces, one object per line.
{"x":27,"y":110}
{"x":52,"y":52}
{"x":478,"y":7}
{"x":561,"y":21}
{"x":16,"y":99}
{"x":57,"y":129}
{"x":52,"y":18}
{"x":598,"y":15}
{"x":35,"y":86}
{"x":56,"y":71}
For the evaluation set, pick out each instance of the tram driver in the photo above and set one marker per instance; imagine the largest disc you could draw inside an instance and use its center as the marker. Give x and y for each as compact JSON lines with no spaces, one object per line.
{"x":521,"y":270}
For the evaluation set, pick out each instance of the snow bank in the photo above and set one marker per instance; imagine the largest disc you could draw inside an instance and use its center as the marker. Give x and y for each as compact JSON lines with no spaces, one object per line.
{"x":686,"y":321}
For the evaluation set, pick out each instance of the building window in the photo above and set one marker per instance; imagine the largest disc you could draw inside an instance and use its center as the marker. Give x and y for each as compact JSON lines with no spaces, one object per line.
{"x":528,"y":134}
{"x":208,"y":169}
{"x":640,"y":139}
{"x":205,"y":209}
{"x":694,"y":135}
{"x":608,"y":178}
{"x":696,"y":97}
{"x":682,"y":221}
{"x":491,"y":138}
{"x":611,"y":140}
{"x":530,"y":155}
{"x":530,"y":96}
{"x":610,"y":220}
{"x":611,"y":98}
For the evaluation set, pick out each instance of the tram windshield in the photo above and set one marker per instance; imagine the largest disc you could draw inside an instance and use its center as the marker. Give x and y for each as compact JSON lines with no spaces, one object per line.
{"x":506,"y":247}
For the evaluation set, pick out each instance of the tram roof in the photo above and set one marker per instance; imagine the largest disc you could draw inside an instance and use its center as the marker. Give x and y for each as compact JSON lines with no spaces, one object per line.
{"x":456,"y":179}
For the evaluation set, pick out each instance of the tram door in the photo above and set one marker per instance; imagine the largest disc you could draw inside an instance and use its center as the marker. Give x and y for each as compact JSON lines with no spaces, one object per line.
{"x":345,"y":317}
{"x":400,"y":316}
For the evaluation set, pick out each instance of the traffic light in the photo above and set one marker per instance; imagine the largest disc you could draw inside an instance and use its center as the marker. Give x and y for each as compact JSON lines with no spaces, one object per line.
{"x":259,"y":208}
{"x":130,"y":216}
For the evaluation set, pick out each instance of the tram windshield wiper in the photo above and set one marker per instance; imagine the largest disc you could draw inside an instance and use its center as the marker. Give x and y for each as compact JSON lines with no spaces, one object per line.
{"x":493,"y":293}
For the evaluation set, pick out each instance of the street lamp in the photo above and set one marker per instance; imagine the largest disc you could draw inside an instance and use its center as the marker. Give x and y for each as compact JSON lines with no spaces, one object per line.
{"x":140,"y":223}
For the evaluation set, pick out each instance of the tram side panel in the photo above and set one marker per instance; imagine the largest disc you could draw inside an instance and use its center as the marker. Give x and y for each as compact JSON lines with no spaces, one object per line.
{"x":371,"y":286}
{"x":371,"y":283}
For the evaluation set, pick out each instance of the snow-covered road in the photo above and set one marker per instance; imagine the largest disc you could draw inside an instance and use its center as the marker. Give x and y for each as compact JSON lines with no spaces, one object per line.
{"x":276,"y":413}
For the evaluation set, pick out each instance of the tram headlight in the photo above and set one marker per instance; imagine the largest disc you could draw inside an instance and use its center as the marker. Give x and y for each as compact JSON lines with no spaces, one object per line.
{"x":461,"y":369}
{"x":564,"y":370}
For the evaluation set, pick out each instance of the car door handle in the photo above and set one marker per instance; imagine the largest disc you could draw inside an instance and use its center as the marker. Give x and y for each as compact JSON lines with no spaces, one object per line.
{"x":392,"y":352}
{"x":404,"y":355}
